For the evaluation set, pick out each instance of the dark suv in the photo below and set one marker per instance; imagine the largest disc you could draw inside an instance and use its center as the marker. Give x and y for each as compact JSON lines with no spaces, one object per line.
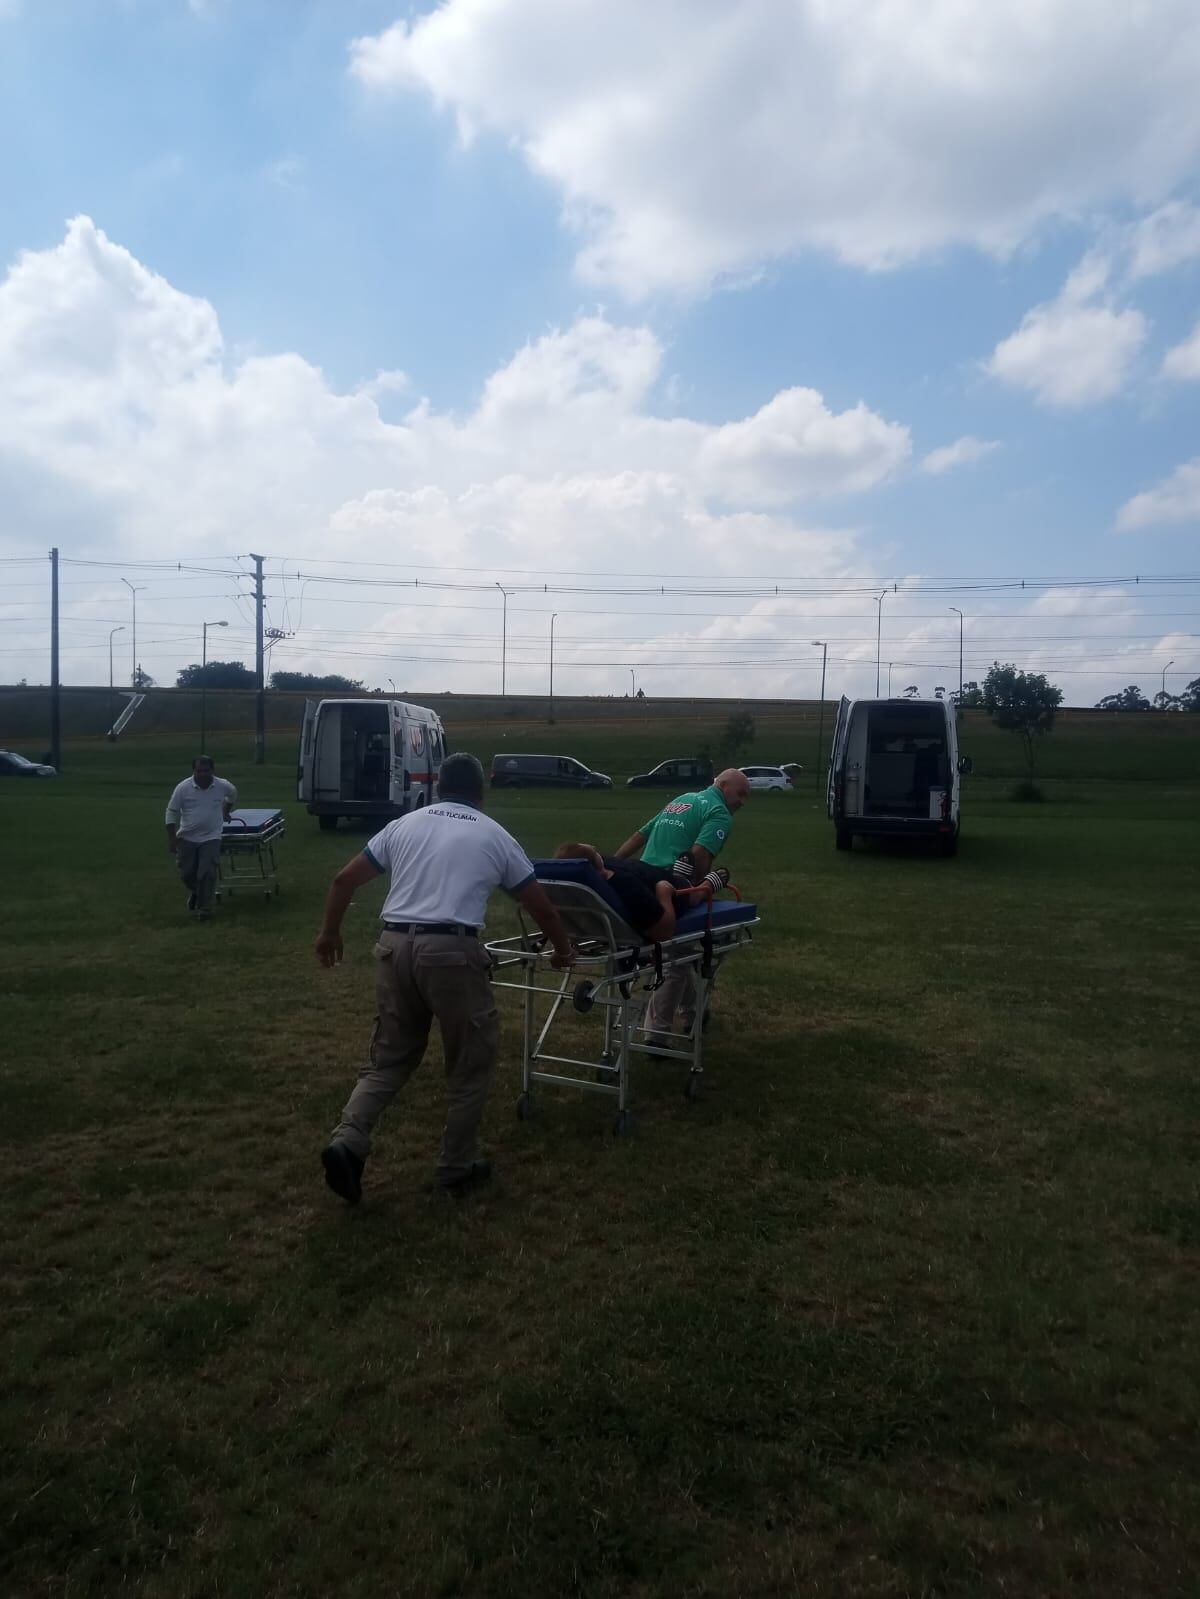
{"x":686,"y":774}
{"x":544,"y":771}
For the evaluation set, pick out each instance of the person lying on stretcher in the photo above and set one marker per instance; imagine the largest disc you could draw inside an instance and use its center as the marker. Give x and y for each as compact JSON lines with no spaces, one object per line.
{"x":651,"y":895}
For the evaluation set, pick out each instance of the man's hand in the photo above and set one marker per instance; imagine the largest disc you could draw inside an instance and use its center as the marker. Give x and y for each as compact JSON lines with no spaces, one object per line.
{"x":328,"y":948}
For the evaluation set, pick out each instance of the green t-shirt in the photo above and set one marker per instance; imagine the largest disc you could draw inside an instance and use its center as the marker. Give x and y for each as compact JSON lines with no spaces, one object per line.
{"x":701,"y":818}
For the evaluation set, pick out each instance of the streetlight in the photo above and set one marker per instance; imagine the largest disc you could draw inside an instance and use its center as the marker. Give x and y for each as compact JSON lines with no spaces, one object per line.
{"x":392,"y":681}
{"x":960,"y":642}
{"x":204,"y":681}
{"x":823,"y":646}
{"x":632,"y":684}
{"x":878,"y":630}
{"x":552,"y":621}
{"x":120,"y":629}
{"x":504,"y":643}
{"x":889,"y":680}
{"x":1164,"y":687}
{"x":134,"y":592}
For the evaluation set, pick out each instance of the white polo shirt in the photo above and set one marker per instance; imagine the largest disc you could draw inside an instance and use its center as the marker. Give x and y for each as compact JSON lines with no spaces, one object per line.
{"x":444,"y":861}
{"x":199,"y":813}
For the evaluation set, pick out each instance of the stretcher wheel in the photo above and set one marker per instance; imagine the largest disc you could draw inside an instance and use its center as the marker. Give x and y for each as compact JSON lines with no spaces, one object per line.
{"x":526,"y":1109}
{"x":694,"y":1087}
{"x":622,"y":1124}
{"x":583,"y":998}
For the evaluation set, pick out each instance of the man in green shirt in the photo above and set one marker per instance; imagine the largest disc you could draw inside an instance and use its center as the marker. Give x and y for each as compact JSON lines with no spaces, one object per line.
{"x":697,"y":825}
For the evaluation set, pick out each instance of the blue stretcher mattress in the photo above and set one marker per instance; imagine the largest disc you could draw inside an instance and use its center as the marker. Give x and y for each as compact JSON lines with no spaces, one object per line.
{"x":248,"y":824}
{"x":725,"y":912}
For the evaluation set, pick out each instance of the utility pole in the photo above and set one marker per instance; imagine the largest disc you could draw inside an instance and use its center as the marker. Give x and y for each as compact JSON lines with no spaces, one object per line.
{"x":120,"y":629}
{"x":960,"y":653}
{"x":55,"y":685}
{"x":552,"y":620}
{"x":204,"y":684}
{"x":133,"y":594}
{"x":504,"y":643}
{"x":823,"y":646}
{"x":878,"y":632}
{"x":260,"y":708}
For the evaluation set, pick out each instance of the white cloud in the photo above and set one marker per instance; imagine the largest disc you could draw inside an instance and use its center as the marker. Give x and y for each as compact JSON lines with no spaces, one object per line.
{"x":1072,"y":352}
{"x":1167,"y":238}
{"x":1175,"y":499}
{"x":961,"y":453}
{"x":129,"y":428}
{"x":690,"y":141}
{"x":1183,"y":362}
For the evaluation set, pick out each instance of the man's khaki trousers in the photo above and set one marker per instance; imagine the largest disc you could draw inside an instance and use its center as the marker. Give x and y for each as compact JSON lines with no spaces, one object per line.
{"x":418,"y":977}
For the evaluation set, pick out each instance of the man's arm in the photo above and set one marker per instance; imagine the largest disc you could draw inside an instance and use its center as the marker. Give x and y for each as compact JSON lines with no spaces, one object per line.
{"x":362,"y":869}
{"x":230,"y":800}
{"x":580,"y":852}
{"x":633,"y":845}
{"x":534,"y":899}
{"x":703,"y":859}
{"x":172,"y":836}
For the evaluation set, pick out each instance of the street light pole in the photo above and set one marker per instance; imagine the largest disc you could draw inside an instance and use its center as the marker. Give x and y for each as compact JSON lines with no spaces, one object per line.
{"x":632,"y":685}
{"x":1164,"y":685}
{"x":889,"y":680}
{"x":120,"y":629}
{"x":204,"y":681}
{"x":134,"y":592}
{"x":960,"y":648}
{"x":552,"y":621}
{"x":878,"y":632}
{"x":823,"y":646}
{"x":504,"y":644}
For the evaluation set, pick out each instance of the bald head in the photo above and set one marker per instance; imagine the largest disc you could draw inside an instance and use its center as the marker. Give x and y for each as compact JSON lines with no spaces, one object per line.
{"x":734,"y":787}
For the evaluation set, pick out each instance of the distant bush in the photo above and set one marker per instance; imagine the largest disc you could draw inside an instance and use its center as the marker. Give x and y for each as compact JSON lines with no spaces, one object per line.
{"x":1026,"y":792}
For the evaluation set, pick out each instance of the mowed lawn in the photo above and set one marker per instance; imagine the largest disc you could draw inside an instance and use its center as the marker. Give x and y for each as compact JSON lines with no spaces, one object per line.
{"x":907,"y":1304}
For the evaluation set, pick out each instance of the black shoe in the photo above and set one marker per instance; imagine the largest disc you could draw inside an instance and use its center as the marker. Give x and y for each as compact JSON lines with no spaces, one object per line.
{"x":479,"y":1171}
{"x":191,"y":902}
{"x":343,"y":1172}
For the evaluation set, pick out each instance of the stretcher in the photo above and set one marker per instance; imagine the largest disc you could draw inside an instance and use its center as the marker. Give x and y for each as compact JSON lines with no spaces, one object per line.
{"x":616,"y":974}
{"x":247,"y":859}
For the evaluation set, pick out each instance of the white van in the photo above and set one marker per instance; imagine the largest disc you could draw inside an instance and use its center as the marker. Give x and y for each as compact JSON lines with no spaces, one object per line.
{"x":377,"y":758}
{"x":894,"y":769}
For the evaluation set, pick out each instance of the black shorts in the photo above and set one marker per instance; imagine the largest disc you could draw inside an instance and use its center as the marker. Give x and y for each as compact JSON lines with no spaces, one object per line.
{"x":633,"y":883}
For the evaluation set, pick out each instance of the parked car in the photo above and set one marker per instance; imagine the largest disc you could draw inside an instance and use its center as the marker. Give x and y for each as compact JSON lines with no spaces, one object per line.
{"x":685,"y":774}
{"x":894,"y":770}
{"x":14,"y":765}
{"x":792,"y":768}
{"x":544,"y":771}
{"x":768,"y":777}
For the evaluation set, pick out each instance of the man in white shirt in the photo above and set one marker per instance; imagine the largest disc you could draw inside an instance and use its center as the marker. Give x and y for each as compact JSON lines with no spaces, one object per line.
{"x":444,"y":861}
{"x":196,"y":812}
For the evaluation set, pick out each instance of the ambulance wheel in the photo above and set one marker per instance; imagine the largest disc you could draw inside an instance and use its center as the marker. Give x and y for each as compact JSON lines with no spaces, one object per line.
{"x":327,"y":824}
{"x":694,"y":1087}
{"x":845,"y":838}
{"x":526,"y":1109}
{"x":582,"y":999}
{"x":622,"y":1124}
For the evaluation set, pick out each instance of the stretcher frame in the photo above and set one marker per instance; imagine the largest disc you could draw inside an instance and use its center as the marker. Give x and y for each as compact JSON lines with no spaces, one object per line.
{"x":247,"y":858}
{"x":622,"y":971}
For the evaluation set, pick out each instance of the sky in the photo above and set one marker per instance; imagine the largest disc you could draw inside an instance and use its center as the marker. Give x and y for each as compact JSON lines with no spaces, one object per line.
{"x":695,"y":327}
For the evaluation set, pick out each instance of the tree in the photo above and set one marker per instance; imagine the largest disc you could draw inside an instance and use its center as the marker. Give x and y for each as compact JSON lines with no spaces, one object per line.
{"x":737,"y":734}
{"x":939,"y":692}
{"x":912,"y":692}
{"x":1190,"y":698}
{"x":1129,"y":699}
{"x":308,"y":682}
{"x":1168,"y":702}
{"x":142,"y":679}
{"x":1021,"y":702}
{"x":971,"y":698}
{"x":216,"y":674}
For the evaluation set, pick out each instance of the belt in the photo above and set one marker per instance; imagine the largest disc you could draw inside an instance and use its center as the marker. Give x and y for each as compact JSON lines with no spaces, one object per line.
{"x":455,"y":928}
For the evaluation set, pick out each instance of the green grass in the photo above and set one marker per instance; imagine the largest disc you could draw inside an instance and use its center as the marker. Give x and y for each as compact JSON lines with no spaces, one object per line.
{"x":906,"y":1305}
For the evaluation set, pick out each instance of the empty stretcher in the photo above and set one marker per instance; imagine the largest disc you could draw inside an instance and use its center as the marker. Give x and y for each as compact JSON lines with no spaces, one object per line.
{"x":616,"y":974}
{"x":248,"y":842}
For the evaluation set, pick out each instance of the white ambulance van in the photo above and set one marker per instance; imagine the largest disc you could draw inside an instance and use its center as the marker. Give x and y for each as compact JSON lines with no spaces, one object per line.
{"x":368,"y":758}
{"x":894,"y":770}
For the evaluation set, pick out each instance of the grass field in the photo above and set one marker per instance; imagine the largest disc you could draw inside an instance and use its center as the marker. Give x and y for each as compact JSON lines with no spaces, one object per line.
{"x":906,"y":1305}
